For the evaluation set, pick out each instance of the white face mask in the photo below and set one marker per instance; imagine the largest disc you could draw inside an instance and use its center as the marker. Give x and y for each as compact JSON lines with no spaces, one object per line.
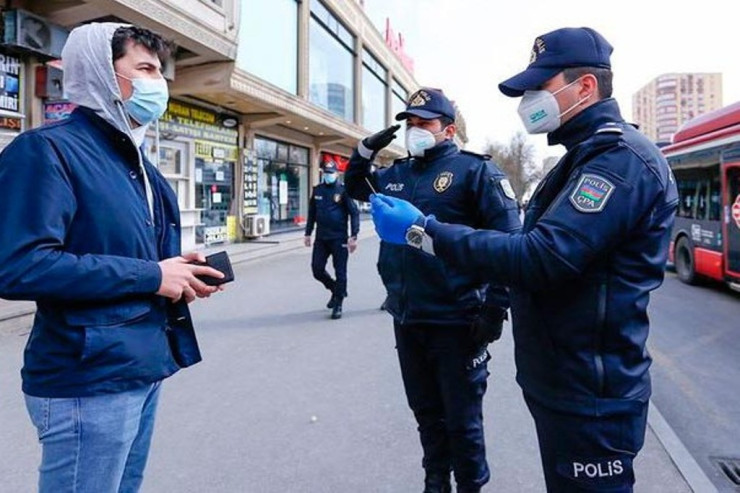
{"x":540,"y":112}
{"x":419,"y":140}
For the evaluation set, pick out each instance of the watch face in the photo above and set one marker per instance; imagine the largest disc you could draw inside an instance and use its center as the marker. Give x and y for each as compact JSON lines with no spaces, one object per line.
{"x":414,"y":237}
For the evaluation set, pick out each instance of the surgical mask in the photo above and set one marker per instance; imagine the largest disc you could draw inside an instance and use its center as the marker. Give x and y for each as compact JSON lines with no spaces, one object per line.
{"x":419,"y":140}
{"x":330,"y":178}
{"x":540,"y":112}
{"x":148,"y":101}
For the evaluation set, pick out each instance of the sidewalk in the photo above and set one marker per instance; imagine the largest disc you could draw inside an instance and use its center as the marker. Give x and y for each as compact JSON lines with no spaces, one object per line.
{"x":663,"y":465}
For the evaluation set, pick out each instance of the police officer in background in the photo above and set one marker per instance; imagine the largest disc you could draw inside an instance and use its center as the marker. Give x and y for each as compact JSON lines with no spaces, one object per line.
{"x":443,"y":318}
{"x":329,"y":209}
{"x":594,"y":244}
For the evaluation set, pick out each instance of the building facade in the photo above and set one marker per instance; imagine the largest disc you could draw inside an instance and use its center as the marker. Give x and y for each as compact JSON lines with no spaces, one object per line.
{"x":261,"y":94}
{"x":666,"y":102}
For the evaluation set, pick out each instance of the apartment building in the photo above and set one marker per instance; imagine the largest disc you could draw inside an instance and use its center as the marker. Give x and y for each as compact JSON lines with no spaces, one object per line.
{"x":669,"y":100}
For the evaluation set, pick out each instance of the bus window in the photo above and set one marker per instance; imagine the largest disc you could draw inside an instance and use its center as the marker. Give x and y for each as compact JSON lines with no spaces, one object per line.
{"x":715,"y":200}
{"x":702,"y":200}
{"x":687,"y":192}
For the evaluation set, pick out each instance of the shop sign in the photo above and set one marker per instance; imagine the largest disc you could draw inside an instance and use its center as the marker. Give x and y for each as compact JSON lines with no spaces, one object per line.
{"x":250,"y":205}
{"x":209,"y":151}
{"x":53,"y":112}
{"x":215,"y":234}
{"x":189,"y":121}
{"x":341,"y":161}
{"x":396,"y":44}
{"x":7,"y":123}
{"x":10,"y":84}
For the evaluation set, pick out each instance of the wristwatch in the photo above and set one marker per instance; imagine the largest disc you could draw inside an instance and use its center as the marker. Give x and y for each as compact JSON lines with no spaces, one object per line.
{"x":416,"y":236}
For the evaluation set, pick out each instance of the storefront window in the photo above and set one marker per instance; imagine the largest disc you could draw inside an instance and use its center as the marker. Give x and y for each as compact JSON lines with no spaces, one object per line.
{"x":268,"y":41}
{"x":398,"y":102}
{"x":11,"y":98}
{"x":282,"y":182}
{"x":213,"y":194}
{"x":373,"y":93}
{"x":331,"y":81}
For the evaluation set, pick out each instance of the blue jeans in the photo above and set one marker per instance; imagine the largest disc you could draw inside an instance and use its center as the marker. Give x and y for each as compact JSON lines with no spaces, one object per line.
{"x":95,"y":444}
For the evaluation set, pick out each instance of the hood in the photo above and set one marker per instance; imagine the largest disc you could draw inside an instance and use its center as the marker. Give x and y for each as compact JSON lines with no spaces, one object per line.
{"x":89,"y":78}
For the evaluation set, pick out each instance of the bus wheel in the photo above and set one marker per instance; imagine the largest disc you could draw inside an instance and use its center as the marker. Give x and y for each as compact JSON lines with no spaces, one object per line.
{"x":685,"y":262}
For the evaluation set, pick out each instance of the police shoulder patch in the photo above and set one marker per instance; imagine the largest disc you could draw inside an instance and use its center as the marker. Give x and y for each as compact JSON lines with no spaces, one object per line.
{"x":507,"y":188}
{"x":591,"y":193}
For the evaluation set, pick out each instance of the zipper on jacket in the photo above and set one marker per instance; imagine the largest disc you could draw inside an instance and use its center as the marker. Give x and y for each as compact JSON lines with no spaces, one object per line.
{"x":404,"y":262}
{"x":599,"y":339}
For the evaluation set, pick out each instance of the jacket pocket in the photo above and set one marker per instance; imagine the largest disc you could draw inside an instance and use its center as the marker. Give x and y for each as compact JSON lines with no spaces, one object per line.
{"x":135,"y":347}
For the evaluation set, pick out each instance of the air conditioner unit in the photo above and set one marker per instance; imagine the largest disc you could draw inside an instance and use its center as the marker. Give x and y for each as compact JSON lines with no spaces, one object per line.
{"x":256,"y":225}
{"x":30,"y":32}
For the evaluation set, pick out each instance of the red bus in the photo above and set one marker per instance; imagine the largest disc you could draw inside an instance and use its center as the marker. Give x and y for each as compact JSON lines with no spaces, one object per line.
{"x":705,"y":159}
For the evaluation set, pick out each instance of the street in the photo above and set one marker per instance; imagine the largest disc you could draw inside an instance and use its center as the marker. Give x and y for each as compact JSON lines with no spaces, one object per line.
{"x":695,"y":347}
{"x":287,"y":400}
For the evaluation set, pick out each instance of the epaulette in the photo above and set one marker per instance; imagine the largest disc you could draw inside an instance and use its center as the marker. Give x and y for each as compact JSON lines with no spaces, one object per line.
{"x":485,"y":157}
{"x":610,"y":128}
{"x":400,"y":160}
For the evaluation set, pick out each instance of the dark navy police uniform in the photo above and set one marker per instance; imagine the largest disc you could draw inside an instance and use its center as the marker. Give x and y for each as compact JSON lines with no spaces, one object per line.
{"x":433,"y":306}
{"x":329,"y":209}
{"x":593,"y":246}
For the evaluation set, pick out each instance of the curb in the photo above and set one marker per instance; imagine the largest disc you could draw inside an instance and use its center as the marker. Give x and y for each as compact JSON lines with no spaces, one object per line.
{"x":679,"y":454}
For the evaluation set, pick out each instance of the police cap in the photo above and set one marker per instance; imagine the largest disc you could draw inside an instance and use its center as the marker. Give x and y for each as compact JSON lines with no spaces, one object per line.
{"x":555,"y":51}
{"x":329,"y":167}
{"x":428,"y":104}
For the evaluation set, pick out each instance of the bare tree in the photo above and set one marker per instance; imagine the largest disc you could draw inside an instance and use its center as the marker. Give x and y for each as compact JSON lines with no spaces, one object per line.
{"x":516,"y":159}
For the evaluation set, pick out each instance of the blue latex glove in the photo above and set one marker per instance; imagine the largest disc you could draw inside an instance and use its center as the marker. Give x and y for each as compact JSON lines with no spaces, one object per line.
{"x":392,"y":217}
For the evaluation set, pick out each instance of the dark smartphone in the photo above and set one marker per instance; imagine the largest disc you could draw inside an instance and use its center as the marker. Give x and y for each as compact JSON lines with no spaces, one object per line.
{"x":219,"y":261}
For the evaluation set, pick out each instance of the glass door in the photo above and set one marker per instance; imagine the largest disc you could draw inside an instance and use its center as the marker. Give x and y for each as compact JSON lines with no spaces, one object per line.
{"x":732,"y":221}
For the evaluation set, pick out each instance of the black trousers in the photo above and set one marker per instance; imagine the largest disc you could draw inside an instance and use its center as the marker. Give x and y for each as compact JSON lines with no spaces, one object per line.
{"x":337,"y":250}
{"x":444,"y":376}
{"x":588,"y":453}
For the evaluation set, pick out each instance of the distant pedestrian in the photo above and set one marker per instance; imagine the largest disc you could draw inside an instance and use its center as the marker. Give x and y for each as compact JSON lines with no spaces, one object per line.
{"x":329,"y":210}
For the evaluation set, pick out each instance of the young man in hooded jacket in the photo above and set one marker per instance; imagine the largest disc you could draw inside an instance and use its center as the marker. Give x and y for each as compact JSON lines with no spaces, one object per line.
{"x":96,"y":243}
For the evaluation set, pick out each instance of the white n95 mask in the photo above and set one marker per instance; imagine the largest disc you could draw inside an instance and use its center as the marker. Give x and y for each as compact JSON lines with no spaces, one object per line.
{"x":419,"y":140}
{"x":540,"y":112}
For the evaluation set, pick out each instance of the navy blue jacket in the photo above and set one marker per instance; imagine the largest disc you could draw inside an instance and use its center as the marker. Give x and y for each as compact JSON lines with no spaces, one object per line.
{"x":79,"y":240}
{"x":594,"y":244}
{"x":457,"y":187}
{"x":328,"y":209}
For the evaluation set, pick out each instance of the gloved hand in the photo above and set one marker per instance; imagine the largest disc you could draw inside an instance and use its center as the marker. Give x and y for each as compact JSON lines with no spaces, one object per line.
{"x":488,"y":326}
{"x":392,"y":217}
{"x":381,"y":139}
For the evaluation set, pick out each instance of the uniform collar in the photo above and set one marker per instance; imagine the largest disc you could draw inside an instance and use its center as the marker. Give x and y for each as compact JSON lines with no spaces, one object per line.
{"x":441,"y":150}
{"x":585,"y":124}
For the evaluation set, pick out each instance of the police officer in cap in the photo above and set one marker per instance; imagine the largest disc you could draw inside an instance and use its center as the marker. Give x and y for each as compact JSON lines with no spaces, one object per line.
{"x":443,"y":318}
{"x":594,"y":244}
{"x":329,"y":209}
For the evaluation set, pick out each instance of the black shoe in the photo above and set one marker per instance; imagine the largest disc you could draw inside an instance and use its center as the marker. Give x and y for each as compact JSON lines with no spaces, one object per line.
{"x":336,"y":312}
{"x":436,"y":482}
{"x":332,"y":302}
